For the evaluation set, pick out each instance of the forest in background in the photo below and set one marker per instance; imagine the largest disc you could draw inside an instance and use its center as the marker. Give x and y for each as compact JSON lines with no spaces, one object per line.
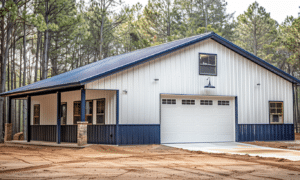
{"x":44,"y":38}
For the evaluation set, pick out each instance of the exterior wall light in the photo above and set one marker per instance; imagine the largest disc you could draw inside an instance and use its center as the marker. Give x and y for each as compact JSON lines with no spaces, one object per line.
{"x":156,"y":79}
{"x":258,"y":84}
{"x":125,"y":91}
{"x":209,"y":85}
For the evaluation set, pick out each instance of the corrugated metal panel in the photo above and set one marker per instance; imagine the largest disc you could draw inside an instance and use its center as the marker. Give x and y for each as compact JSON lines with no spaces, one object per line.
{"x":47,"y":109}
{"x":69,"y":133}
{"x":265,"y":132}
{"x":101,"y":134}
{"x":178,"y":74}
{"x":43,"y":133}
{"x":116,"y":63}
{"x":139,"y":134}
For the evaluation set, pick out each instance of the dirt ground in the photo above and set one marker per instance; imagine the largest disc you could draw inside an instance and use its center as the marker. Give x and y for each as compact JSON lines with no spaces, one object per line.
{"x":294,"y":145}
{"x":136,"y":162}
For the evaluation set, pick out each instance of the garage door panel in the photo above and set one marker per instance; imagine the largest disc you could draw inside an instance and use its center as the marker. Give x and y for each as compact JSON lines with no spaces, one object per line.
{"x":197,"y":123}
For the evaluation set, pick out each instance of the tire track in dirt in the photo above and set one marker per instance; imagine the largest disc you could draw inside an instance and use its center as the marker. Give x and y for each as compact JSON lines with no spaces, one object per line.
{"x":155,"y":157}
{"x":248,"y":159}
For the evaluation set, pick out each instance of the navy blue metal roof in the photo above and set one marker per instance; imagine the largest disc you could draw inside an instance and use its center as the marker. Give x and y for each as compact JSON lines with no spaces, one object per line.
{"x":110,"y":65}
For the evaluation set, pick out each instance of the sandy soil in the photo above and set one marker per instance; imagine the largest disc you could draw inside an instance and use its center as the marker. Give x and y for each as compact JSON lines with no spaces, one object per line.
{"x":136,"y":162}
{"x":294,"y":145}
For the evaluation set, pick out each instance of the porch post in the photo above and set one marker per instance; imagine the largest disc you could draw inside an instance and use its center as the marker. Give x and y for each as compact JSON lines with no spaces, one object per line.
{"x":28,"y":118}
{"x":9,"y":110}
{"x":82,"y":105}
{"x":82,"y":125}
{"x":58,"y":126}
{"x":8,"y":125}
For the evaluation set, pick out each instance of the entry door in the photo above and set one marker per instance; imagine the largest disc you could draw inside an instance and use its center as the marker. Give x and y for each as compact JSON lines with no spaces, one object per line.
{"x":189,"y":119}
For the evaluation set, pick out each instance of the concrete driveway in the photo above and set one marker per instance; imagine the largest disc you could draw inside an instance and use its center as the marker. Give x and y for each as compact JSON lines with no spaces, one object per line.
{"x":241,"y":149}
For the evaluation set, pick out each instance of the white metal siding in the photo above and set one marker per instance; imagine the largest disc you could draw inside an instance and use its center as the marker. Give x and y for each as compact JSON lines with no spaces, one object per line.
{"x":48,"y":105}
{"x":178,"y":73}
{"x":47,"y":108}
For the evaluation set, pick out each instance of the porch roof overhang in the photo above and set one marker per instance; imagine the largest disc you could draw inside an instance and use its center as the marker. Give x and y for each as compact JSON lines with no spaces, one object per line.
{"x":44,"y":91}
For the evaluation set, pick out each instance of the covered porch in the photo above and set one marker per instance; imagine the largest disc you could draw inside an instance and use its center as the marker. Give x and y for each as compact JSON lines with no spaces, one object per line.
{"x":71,"y":115}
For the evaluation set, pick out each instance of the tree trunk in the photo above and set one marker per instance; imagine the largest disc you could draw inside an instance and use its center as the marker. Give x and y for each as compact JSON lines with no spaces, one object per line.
{"x":66,"y":61}
{"x":13,"y":72}
{"x":41,"y":57}
{"x":54,"y":60}
{"x":3,"y":73}
{"x":20,"y":101}
{"x":45,"y":66}
{"x":101,"y":32}
{"x":24,"y":79}
{"x":2,"y":65}
{"x":37,"y":56}
{"x":8,"y":72}
{"x":255,"y":40}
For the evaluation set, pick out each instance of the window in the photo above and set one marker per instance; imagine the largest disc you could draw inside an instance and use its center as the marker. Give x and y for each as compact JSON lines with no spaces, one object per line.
{"x":100,"y":111}
{"x":77,"y":112}
{"x":88,"y":111}
{"x":36,"y":115}
{"x":64,"y":113}
{"x":206,"y":102}
{"x":168,"y":101}
{"x":223,"y":103}
{"x":208,"y":64}
{"x":276,"y":112}
{"x":188,"y":102}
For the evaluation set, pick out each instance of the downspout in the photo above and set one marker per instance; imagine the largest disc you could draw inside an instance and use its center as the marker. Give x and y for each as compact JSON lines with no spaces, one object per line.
{"x":295,"y":107}
{"x":117,"y":119}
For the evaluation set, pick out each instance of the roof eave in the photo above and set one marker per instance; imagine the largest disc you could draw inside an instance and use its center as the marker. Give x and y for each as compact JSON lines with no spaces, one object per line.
{"x":43,"y":89}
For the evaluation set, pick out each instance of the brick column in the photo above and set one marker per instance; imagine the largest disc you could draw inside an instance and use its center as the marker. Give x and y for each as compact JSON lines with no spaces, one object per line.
{"x":82,"y":133}
{"x":8,"y":132}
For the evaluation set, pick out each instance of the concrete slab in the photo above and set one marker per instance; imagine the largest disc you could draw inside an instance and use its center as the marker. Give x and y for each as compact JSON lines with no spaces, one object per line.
{"x":43,"y":143}
{"x":241,"y":149}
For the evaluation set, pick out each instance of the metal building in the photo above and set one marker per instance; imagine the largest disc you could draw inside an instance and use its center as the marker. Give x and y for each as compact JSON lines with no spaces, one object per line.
{"x":198,"y":89}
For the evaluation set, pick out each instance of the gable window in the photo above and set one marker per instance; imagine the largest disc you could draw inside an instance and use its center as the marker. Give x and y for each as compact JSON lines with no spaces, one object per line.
{"x":88,"y":111}
{"x":36,"y":115}
{"x":168,"y":101}
{"x":188,"y":102}
{"x":276,"y":112}
{"x":100,"y":111}
{"x":206,"y":102}
{"x":208,"y":64}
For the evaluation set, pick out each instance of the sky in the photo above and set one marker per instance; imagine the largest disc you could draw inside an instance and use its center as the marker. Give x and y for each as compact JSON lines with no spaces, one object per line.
{"x":279,"y":9}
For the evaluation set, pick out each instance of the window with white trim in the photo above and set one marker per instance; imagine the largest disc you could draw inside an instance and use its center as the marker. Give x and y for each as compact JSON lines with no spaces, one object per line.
{"x":36,"y":114}
{"x":100,"y":111}
{"x":88,"y":111}
{"x":168,"y":101}
{"x":188,"y":102}
{"x":223,"y":103}
{"x":276,"y":112}
{"x":206,"y":102}
{"x":208,"y":64}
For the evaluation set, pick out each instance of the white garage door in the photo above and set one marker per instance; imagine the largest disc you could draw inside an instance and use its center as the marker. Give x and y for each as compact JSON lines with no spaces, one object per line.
{"x":187,"y":119}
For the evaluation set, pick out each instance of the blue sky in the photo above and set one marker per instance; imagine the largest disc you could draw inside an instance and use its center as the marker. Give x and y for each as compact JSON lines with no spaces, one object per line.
{"x":279,"y":9}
